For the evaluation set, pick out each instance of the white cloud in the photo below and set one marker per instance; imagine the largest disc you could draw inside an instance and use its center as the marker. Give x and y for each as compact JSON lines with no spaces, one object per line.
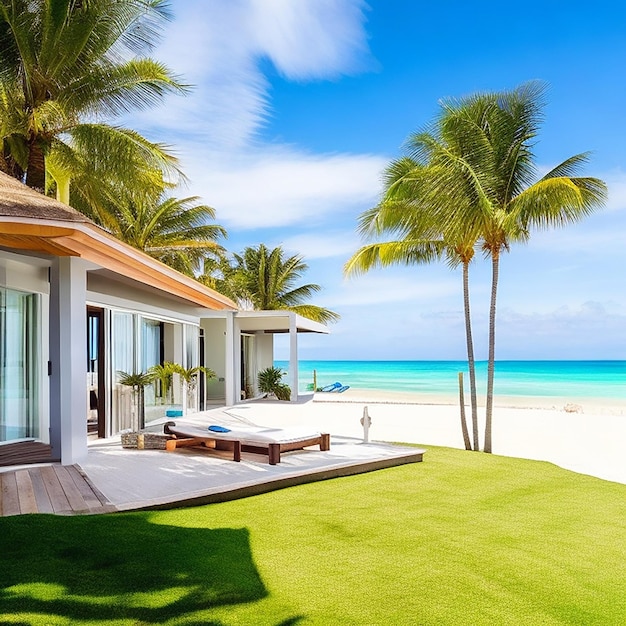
{"x":588,"y":330}
{"x":310,"y":38}
{"x":218,"y":47}
{"x":322,"y":245}
{"x":284,"y":187}
{"x":388,"y":289}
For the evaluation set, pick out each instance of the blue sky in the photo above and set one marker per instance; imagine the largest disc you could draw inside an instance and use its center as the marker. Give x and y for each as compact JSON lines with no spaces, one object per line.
{"x":298,"y":105}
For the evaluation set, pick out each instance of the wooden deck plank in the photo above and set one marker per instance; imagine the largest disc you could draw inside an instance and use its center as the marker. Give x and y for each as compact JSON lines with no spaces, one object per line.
{"x":41,"y":495}
{"x":57,"y":496}
{"x":83,"y":487}
{"x":73,"y":495}
{"x":10,"y":500}
{"x":79,"y":475}
{"x":25,"y":492}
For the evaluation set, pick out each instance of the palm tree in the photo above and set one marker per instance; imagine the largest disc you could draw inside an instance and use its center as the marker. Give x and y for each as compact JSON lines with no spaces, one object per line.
{"x":63,"y":65}
{"x":487,"y":150}
{"x":409,"y":210}
{"x":261,"y":279}
{"x":176,"y":231}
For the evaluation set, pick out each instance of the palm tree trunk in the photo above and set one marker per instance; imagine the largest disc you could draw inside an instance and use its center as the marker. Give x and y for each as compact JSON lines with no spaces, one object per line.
{"x":470,"y":354}
{"x":63,"y":189}
{"x":36,"y":170}
{"x":466,"y":439}
{"x":495,"y":261}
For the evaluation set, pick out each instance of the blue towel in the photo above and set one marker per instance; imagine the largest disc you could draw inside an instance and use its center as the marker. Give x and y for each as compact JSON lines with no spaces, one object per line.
{"x":219,"y":429}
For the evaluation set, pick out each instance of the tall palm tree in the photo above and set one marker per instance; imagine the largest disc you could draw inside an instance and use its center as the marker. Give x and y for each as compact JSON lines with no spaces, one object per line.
{"x":410,"y":211}
{"x":487,"y":150}
{"x":176,"y":231}
{"x":262,"y":279}
{"x":63,"y":66}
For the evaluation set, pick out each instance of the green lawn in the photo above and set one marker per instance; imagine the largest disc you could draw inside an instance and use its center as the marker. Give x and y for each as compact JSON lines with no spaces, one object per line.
{"x":463,"y":538}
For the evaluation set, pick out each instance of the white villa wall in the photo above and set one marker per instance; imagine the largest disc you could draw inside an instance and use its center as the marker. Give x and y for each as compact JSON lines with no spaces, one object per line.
{"x":103,"y":291}
{"x":265,"y":350}
{"x":215,"y":356}
{"x":24,"y":273}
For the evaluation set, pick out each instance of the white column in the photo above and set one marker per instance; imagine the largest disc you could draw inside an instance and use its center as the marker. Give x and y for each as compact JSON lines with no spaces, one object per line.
{"x":293,"y":357}
{"x":229,"y":371}
{"x":68,"y":345}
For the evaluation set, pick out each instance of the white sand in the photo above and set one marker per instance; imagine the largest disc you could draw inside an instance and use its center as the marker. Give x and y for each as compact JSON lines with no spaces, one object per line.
{"x":590,"y":442}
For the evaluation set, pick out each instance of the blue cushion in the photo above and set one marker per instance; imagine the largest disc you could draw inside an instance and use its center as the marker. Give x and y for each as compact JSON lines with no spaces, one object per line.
{"x":219,"y":429}
{"x":174,"y":413}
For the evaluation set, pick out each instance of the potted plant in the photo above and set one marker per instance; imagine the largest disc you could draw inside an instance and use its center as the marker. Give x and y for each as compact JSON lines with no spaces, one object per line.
{"x":137,"y":382}
{"x":163,"y":374}
{"x":271,"y":382}
{"x":189,"y":377}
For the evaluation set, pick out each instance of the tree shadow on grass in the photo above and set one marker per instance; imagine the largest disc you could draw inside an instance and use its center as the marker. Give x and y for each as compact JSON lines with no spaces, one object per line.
{"x":121,"y":567}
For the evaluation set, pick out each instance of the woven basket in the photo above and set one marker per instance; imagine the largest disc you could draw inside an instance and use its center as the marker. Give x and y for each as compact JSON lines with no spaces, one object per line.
{"x":144,"y":441}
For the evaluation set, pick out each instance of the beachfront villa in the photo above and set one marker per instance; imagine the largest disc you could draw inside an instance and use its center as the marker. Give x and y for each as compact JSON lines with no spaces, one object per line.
{"x":78,"y":306}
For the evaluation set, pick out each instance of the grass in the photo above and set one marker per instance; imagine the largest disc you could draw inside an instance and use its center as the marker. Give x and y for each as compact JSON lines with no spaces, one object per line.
{"x":463,"y":538}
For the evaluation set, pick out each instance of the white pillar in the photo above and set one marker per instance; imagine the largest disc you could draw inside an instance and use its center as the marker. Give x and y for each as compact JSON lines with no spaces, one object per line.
{"x":68,"y":346}
{"x":293,"y":357}
{"x":230,"y":377}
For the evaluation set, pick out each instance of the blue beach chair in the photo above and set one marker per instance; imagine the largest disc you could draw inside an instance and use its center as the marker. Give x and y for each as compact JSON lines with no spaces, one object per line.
{"x":330,"y":388}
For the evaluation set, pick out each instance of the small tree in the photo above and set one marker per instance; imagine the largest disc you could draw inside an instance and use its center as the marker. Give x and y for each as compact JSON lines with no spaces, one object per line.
{"x":189,"y":377}
{"x":271,"y":381}
{"x":137,"y":382}
{"x":163,"y":374}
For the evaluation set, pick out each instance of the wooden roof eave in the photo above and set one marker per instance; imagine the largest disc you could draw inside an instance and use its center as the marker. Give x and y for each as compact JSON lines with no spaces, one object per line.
{"x":91,"y":243}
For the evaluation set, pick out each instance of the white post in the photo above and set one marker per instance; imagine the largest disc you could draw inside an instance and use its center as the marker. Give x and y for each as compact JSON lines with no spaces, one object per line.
{"x":366,"y":421}
{"x":229,"y":372}
{"x":68,"y":345}
{"x":293,"y":357}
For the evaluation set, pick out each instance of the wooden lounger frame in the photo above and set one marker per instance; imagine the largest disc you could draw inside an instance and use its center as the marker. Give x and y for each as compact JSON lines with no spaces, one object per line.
{"x":272,"y":450}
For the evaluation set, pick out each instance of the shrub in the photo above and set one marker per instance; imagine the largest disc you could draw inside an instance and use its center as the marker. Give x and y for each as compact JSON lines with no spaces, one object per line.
{"x":271,"y":381}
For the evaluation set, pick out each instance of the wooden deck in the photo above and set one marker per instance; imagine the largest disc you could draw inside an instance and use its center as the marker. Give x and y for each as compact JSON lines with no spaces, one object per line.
{"x":63,"y":490}
{"x":25,"y":453}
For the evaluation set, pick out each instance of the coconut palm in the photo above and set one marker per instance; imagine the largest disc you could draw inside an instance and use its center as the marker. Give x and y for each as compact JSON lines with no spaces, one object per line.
{"x":475,"y":183}
{"x":64,"y":65}
{"x":176,"y":231}
{"x":410,"y":212}
{"x":262,"y":279}
{"x":485,"y":152}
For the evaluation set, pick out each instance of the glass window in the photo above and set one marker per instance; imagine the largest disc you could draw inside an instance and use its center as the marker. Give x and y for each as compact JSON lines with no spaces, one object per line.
{"x":122,"y":360}
{"x":19,"y":365}
{"x":192,"y":346}
{"x":151,"y":354}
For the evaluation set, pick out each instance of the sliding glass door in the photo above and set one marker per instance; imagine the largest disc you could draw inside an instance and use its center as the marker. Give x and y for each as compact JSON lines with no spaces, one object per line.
{"x":19,"y":365}
{"x":152,"y":353}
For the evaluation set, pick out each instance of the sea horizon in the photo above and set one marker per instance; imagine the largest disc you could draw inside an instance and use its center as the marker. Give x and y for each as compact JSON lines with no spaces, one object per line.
{"x":558,"y":378}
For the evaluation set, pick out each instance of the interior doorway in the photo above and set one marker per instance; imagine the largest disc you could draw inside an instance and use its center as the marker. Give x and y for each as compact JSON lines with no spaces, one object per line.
{"x":96,"y":423}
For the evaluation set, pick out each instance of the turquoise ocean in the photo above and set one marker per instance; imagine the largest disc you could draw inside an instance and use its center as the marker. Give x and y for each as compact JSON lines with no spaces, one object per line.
{"x":559,"y":379}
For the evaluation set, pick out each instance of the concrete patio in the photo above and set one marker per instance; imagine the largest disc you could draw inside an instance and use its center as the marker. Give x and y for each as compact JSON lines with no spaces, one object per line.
{"x":144,"y":479}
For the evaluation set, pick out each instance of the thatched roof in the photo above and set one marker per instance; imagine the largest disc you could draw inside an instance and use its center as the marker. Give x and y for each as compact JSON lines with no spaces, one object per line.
{"x":18,"y":200}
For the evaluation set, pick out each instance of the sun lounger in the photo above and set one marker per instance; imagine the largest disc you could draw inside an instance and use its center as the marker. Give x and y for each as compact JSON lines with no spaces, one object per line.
{"x":329,"y":388}
{"x":269,"y":441}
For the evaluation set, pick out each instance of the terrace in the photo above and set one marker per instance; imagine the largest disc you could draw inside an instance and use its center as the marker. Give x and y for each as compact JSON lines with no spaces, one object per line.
{"x":113,"y":478}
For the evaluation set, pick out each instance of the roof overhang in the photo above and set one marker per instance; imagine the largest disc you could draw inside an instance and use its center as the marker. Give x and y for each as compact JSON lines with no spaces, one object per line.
{"x":277,"y":322}
{"x":93,"y":244}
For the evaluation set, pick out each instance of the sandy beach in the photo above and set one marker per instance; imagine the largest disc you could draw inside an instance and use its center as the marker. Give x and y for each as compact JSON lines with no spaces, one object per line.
{"x":590,"y":441}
